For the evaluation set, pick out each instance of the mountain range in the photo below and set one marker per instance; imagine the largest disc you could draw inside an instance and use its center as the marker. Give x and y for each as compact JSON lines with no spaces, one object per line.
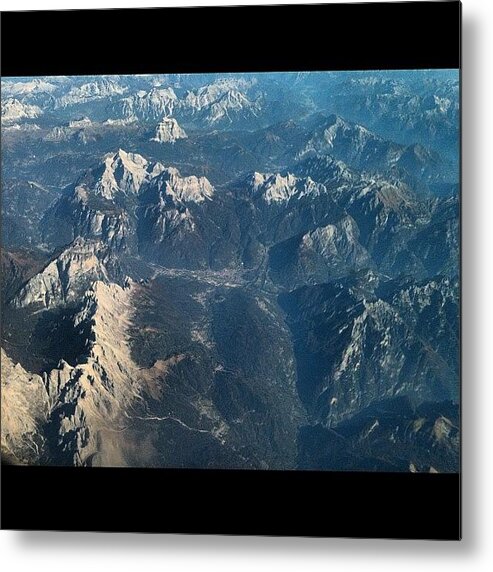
{"x":243,"y":271}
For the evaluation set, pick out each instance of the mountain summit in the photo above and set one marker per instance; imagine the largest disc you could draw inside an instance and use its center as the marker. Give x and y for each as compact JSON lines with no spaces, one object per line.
{"x":168,"y":131}
{"x":121,"y":172}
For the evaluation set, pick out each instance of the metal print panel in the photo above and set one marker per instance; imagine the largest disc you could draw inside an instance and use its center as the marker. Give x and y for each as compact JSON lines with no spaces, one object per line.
{"x":231,"y":272}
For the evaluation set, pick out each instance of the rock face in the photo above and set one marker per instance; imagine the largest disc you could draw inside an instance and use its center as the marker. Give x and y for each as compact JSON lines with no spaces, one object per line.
{"x":129,"y":204}
{"x":94,"y":90}
{"x":80,"y":213}
{"x":352,"y":143}
{"x":30,"y":87}
{"x":283,"y":204}
{"x":383,"y":210}
{"x":67,"y":276}
{"x":425,"y":437}
{"x":108,"y":409}
{"x":277,"y":188}
{"x":168,"y":131}
{"x":98,"y":390}
{"x":166,"y":204}
{"x":81,"y":405}
{"x":122,"y":172}
{"x":332,"y":173}
{"x":181,"y":219}
{"x":94,"y":207}
{"x":173,"y":187}
{"x":14,"y":110}
{"x":319,"y":255}
{"x":221,"y":102}
{"x":149,"y":105}
{"x":337,"y":243}
{"x":224,"y":107}
{"x":25,"y":411}
{"x":362,"y":149}
{"x":81,"y":130}
{"x":362,"y":346}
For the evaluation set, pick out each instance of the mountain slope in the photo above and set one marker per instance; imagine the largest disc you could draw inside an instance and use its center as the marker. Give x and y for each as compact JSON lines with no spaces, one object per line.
{"x":355,"y":346}
{"x":168,"y":131}
{"x":25,"y":410}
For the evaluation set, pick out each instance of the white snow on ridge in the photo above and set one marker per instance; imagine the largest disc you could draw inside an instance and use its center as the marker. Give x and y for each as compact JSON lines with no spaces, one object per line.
{"x":13,"y":110}
{"x":26,"y":127}
{"x":168,"y":131}
{"x":185,"y":189}
{"x":93,"y":90}
{"x":129,"y":173}
{"x":125,"y":172}
{"x":120,"y":122}
{"x":22,"y":88}
{"x":215,"y":101}
{"x":82,"y":122}
{"x":277,"y":188}
{"x":156,"y":103}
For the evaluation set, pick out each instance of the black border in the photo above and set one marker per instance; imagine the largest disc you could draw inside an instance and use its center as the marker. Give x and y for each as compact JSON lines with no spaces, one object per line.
{"x":271,"y":503}
{"x":385,"y":35}
{"x":397,"y":35}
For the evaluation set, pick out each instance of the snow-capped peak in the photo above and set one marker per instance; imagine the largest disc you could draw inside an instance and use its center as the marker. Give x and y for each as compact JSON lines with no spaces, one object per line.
{"x":24,"y":88}
{"x":337,"y":134}
{"x":278,"y":188}
{"x":82,"y":122}
{"x":168,"y":131}
{"x":156,"y":103}
{"x":274,"y":187}
{"x":93,"y":90}
{"x":13,"y":110}
{"x":184,"y":189}
{"x":336,"y":126}
{"x":125,"y":172}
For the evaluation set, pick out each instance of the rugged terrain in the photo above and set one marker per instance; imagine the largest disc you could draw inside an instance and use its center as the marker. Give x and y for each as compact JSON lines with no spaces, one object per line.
{"x":248,"y":271}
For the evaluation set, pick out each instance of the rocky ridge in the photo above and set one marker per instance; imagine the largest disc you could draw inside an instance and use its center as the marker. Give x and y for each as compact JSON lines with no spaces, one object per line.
{"x":168,"y":131}
{"x":82,"y":405}
{"x":14,"y":110}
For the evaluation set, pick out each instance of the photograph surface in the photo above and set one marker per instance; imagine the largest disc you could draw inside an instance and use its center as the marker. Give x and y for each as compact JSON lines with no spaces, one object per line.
{"x":231,"y":271}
